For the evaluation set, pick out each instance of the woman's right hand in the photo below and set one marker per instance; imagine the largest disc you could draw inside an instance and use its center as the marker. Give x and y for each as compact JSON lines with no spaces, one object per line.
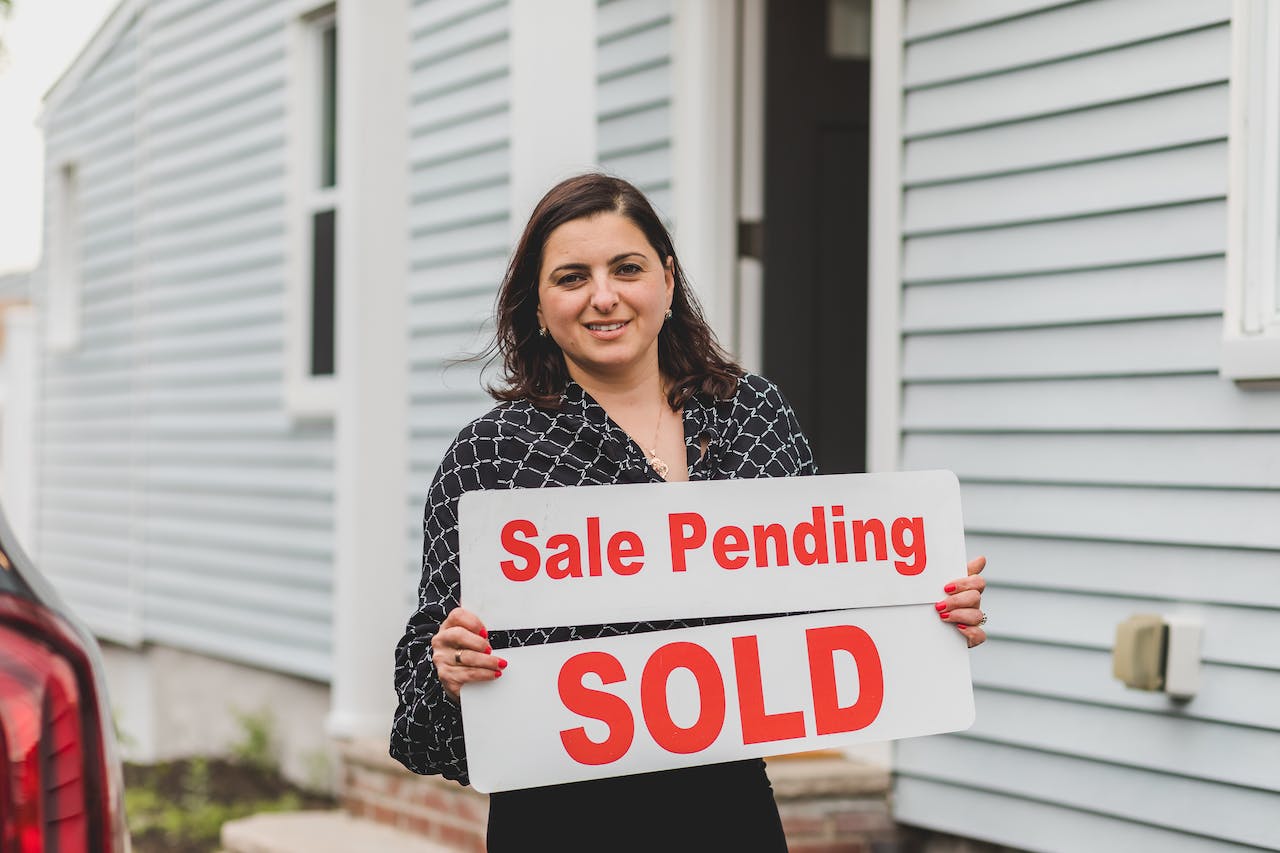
{"x":462,"y":653}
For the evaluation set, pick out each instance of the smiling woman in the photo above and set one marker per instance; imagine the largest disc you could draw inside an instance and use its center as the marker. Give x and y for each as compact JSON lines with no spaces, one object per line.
{"x":611,"y":375}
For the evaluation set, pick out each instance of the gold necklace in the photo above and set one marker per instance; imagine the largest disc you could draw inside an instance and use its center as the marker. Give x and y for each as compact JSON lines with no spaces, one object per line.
{"x":653,"y":459}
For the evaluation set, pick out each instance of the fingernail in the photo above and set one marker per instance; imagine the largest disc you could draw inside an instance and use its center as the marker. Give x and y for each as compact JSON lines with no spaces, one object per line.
{"x":944,"y":615}
{"x":497,"y":673}
{"x":502,"y":664}
{"x":941,"y":605}
{"x":949,"y":588}
{"x":488,"y":650}
{"x":484,"y":632}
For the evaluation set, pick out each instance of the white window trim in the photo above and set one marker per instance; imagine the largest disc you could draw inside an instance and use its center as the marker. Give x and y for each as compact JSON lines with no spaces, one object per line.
{"x":1251,"y":317}
{"x":62,"y":330}
{"x":306,"y":396}
{"x":884,"y":245}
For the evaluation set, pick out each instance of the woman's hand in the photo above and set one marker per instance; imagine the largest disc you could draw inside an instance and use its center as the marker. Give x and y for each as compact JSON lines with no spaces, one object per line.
{"x":963,"y":605}
{"x":462,"y":653}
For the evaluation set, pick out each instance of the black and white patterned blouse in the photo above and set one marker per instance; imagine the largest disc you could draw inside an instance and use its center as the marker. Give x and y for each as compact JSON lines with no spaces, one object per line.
{"x":517,"y":445}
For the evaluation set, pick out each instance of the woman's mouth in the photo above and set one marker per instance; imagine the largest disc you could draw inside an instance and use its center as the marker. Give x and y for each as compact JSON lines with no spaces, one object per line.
{"x":606,"y":327}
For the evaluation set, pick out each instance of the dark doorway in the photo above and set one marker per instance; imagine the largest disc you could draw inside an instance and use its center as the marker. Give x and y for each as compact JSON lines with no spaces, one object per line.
{"x":817,"y":113}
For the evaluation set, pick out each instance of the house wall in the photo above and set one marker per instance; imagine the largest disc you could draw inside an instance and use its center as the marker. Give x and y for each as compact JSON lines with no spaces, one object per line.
{"x":1063,"y":233}
{"x":180,"y":502}
{"x":461,"y":232}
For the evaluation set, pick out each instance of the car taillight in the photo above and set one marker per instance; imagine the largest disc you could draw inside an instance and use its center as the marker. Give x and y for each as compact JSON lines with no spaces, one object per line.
{"x":54,"y":791}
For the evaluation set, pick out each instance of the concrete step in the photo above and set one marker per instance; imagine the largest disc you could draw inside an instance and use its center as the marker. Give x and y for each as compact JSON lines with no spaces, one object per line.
{"x":320,"y":832}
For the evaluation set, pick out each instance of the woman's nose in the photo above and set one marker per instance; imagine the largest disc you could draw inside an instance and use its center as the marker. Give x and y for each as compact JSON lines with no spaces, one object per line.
{"x":603,"y":295}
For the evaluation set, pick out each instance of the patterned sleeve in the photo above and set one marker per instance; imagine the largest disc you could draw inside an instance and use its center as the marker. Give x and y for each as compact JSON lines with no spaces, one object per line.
{"x":769,"y":439}
{"x":426,"y":735}
{"x":806,"y":465}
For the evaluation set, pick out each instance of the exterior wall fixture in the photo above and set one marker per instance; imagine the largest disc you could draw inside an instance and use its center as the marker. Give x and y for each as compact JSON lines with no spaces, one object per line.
{"x":1159,"y":652}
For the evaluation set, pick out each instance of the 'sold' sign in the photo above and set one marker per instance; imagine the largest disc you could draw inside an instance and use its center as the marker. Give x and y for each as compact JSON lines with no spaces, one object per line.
{"x":884,"y":544}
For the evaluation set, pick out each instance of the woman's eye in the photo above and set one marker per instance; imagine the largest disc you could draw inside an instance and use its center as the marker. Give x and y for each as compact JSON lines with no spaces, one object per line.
{"x":629,"y":269}
{"x":570,"y":279}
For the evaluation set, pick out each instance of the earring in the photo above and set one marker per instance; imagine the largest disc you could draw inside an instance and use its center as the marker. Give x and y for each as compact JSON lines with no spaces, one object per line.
{"x":668,"y":313}
{"x":542,"y":331}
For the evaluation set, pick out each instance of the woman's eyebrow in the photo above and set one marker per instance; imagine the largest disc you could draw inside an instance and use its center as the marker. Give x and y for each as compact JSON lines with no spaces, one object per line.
{"x":582,"y":266}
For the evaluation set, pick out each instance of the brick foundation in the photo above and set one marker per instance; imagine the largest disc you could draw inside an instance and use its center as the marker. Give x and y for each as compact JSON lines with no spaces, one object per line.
{"x":828,"y":804}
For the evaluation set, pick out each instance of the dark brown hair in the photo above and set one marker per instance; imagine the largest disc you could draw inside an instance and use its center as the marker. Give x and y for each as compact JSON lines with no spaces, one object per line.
{"x":534,"y":367}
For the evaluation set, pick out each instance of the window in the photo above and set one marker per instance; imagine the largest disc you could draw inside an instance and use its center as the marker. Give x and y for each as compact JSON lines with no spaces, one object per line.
{"x":314,"y":212}
{"x":1251,"y":311}
{"x":63,"y":309}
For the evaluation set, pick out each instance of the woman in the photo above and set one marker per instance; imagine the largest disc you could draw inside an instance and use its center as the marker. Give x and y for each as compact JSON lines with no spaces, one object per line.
{"x":611,"y":376}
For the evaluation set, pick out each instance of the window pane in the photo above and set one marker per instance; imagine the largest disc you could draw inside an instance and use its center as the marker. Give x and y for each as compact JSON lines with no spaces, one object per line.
{"x":322,"y":293}
{"x":849,"y":29}
{"x":329,"y":107}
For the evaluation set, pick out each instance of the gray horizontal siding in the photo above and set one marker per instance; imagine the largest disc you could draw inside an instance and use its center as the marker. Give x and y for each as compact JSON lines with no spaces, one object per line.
{"x":222,"y":538}
{"x":89,"y":506}
{"x":633,"y":94}
{"x":459,"y":224}
{"x":1064,"y":226}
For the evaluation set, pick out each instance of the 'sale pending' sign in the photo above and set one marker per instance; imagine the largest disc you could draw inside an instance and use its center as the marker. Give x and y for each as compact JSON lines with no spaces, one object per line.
{"x":881,"y":543}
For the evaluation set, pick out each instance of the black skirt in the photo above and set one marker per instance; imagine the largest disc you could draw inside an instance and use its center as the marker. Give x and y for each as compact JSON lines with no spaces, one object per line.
{"x":715,"y":807}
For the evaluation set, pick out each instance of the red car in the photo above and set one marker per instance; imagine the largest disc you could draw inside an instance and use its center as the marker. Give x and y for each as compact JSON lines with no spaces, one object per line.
{"x":61,"y":787}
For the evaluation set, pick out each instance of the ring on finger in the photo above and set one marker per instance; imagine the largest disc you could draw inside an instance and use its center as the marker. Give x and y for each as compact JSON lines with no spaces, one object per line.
{"x":457,"y":657}
{"x":983,"y":620}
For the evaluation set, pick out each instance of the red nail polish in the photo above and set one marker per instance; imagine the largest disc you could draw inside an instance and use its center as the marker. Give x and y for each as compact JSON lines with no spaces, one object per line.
{"x":488,"y":650}
{"x":502,"y":664}
{"x":497,"y":674}
{"x":944,"y":615}
{"x":484,"y":632}
{"x":940,"y":606}
{"x":949,"y":588}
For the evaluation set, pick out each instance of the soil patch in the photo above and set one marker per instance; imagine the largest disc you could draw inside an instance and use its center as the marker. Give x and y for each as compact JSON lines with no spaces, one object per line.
{"x":180,"y":806}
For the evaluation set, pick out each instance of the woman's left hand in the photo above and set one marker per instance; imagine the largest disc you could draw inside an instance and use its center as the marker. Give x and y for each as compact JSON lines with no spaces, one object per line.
{"x":963,"y":605}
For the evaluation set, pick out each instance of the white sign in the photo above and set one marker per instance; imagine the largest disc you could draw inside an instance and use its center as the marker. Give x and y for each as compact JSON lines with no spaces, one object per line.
{"x":544,"y":557}
{"x":565,"y":712}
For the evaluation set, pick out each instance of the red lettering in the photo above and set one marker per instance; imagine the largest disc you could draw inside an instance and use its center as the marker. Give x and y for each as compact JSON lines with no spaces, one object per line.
{"x":916,"y":550}
{"x":653,"y":698}
{"x":861,"y":528}
{"x":758,"y":726}
{"x":837,"y":531}
{"x":727,"y":541}
{"x":622,"y":545}
{"x":764,"y":533}
{"x":520,"y":548}
{"x":566,"y":562}
{"x":686,"y":530}
{"x":598,"y":705}
{"x":593,"y":546}
{"x":823,"y":643}
{"x":815,"y":532}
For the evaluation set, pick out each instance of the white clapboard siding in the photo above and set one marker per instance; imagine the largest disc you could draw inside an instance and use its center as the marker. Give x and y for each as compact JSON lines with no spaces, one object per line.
{"x":459,"y":183}
{"x":88,"y":525}
{"x":1064,"y":226}
{"x":1169,"y":176}
{"x":633,"y":95}
{"x":1190,"y":59}
{"x":1240,"y":695}
{"x":229,"y":515}
{"x":1148,"y":291}
{"x":1145,"y":403}
{"x":1155,"y":570}
{"x":1058,"y":33}
{"x":1216,"y":460}
{"x":1180,"y":345}
{"x":1243,"y":815}
{"x":1043,"y":825}
{"x":1162,"y":120}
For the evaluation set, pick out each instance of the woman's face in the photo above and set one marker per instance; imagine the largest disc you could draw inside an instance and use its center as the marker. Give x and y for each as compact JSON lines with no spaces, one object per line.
{"x":603,"y":294}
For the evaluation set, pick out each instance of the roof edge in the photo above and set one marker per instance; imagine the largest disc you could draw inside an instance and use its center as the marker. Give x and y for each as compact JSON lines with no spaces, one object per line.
{"x":99,"y":43}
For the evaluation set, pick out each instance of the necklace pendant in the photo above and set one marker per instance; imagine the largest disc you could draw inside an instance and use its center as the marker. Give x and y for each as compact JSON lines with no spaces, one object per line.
{"x":655,"y":462}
